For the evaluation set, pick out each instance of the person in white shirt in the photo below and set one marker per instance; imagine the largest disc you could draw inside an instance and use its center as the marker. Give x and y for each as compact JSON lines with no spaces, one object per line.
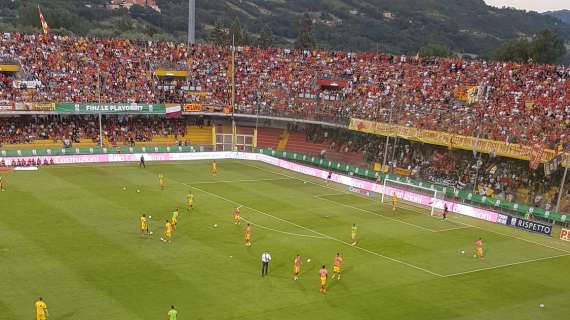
{"x":265,"y":259}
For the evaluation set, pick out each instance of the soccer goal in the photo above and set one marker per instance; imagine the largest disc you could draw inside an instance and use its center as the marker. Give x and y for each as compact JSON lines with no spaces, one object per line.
{"x":414,"y":196}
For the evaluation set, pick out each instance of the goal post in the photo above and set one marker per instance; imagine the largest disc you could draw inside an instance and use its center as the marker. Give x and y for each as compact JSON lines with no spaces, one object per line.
{"x":418,"y":197}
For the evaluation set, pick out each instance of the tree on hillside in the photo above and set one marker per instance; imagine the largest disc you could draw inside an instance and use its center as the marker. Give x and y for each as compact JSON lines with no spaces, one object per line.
{"x":435,"y":50}
{"x":238,"y":34}
{"x":519,"y":51}
{"x":265,"y":39}
{"x":547,"y":47}
{"x":305,"y":38}
{"x":219,"y":36}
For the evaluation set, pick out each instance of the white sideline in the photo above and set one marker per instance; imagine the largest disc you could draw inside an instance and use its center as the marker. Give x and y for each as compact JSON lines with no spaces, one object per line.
{"x":458,"y":222}
{"x":316,"y":232}
{"x":504,"y":265}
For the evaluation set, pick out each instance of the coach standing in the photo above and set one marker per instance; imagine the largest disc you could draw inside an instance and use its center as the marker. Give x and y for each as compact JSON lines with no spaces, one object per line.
{"x":265,"y":259}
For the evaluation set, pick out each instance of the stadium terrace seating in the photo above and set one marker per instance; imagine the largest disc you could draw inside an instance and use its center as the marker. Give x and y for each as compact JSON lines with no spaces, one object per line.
{"x":524,"y":104}
{"x":269,"y":137}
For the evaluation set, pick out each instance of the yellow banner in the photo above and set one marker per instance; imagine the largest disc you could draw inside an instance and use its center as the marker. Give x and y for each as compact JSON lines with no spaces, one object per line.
{"x":9,"y":68}
{"x":450,"y":140}
{"x":199,"y":93}
{"x":171,"y":73}
{"x":193,"y":107}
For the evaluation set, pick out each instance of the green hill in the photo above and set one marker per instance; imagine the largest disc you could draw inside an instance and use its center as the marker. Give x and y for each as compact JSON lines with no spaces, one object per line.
{"x":403,"y":26}
{"x":563,"y":15}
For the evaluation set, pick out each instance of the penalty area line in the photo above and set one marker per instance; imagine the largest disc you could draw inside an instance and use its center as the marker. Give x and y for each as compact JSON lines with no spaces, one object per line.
{"x":376,"y":214}
{"x":283,"y":232}
{"x":241,"y":180}
{"x":466,"y":225}
{"x":318,"y":233}
{"x":505,"y":265}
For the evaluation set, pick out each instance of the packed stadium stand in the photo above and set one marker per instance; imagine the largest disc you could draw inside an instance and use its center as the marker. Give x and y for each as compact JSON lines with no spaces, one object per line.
{"x":526,"y":104}
{"x":501,"y":101}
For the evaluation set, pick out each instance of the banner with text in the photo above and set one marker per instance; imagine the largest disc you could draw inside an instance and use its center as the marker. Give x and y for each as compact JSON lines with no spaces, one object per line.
{"x":565,"y":234}
{"x":451,"y":140}
{"x":126,"y":108}
{"x":193,"y":107}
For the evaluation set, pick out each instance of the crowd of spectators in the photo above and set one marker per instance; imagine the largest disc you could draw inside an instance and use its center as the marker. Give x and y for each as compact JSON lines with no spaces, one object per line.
{"x":484,"y":174}
{"x":117,"y":130}
{"x":509,"y":102}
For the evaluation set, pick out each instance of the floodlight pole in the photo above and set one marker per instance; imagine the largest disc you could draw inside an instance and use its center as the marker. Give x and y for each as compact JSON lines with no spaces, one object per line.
{"x":191,"y":22}
{"x":566,"y":164}
{"x":100,"y":113}
{"x":233,"y":96}
{"x":388,"y":136}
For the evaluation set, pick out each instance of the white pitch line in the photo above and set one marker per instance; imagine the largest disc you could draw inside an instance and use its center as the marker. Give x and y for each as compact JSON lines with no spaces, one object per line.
{"x":505,"y":265}
{"x":514,"y":237}
{"x":458,"y":222}
{"x":238,"y":181}
{"x":377,"y":214}
{"x":283,"y":232}
{"x":319,"y":233}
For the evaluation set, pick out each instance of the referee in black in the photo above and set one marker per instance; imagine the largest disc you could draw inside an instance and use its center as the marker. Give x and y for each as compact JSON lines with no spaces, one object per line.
{"x":141,"y":164}
{"x":265,"y":259}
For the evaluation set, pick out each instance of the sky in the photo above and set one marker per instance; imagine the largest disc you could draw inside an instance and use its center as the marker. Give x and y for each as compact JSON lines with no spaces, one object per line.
{"x":534,"y":5}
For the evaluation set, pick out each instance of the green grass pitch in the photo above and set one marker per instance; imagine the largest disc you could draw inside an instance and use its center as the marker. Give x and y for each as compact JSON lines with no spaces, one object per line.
{"x":70,"y":234}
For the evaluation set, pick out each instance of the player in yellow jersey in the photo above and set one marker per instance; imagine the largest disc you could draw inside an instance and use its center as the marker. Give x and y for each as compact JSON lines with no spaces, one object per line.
{"x":190,"y":201}
{"x":144,"y":225}
{"x":41,"y":309}
{"x":237,"y":216}
{"x":353,"y":234}
{"x":214,"y":169}
{"x":337,"y":266}
{"x":479,"y":249}
{"x":167,"y":232}
{"x":394,"y":201}
{"x":323,"y":273}
{"x":161,"y":181}
{"x":2,"y":186}
{"x":296,"y":267}
{"x":174,"y":219}
{"x":247,"y":235}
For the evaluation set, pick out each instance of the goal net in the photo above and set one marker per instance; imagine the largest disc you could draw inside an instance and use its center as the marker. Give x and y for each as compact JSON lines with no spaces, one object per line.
{"x":414,"y":197}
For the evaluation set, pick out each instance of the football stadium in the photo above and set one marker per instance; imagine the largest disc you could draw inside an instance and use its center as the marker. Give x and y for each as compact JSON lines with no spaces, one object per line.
{"x":197,"y":180}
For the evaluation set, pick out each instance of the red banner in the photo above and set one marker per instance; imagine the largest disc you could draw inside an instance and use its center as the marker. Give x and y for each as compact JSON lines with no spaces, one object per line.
{"x":536,"y":153}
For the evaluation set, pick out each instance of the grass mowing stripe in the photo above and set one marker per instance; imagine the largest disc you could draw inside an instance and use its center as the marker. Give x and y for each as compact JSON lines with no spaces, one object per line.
{"x":505,"y":265}
{"x":319,"y":233}
{"x":458,"y":222}
{"x":377,"y":214}
{"x":240,"y":181}
{"x":283,"y":232}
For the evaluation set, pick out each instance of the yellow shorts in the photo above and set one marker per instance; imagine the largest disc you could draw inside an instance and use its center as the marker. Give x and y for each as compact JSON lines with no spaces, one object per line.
{"x":168,"y":235}
{"x":174,"y":221}
{"x":247,"y":238}
{"x":354,"y":236}
{"x":480,"y":252}
{"x":41,"y":317}
{"x":189,"y":203}
{"x":297,"y":270}
{"x":336,"y":269}
{"x":323,"y":281}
